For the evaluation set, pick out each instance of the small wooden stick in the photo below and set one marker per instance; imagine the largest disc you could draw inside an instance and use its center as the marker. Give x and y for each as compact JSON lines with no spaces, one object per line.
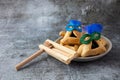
{"x":60,"y":47}
{"x":19,"y":65}
{"x":62,"y":52}
{"x":56,"y":54}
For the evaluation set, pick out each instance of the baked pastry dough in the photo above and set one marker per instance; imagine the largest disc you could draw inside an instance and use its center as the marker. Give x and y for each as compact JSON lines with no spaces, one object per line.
{"x":71,"y":39}
{"x":85,"y":50}
{"x":74,"y":47}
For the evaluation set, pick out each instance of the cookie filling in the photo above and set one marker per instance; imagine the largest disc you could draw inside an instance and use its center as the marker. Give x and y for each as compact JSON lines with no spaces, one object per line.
{"x":94,"y":44}
{"x":72,"y":35}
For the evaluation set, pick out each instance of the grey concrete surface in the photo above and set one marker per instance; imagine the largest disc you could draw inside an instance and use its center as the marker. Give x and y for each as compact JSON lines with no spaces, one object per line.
{"x":24,"y":24}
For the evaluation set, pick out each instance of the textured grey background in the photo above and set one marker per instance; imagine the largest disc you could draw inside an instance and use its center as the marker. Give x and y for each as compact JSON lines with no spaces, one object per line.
{"x":24,"y":24}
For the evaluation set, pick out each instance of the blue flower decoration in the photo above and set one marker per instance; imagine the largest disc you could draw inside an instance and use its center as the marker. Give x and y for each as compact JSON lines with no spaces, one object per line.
{"x":95,"y":27}
{"x":74,"y":25}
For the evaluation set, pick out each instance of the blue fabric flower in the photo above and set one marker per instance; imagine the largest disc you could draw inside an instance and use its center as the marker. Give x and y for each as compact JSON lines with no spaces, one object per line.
{"x":95,"y":27}
{"x":74,"y":25}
